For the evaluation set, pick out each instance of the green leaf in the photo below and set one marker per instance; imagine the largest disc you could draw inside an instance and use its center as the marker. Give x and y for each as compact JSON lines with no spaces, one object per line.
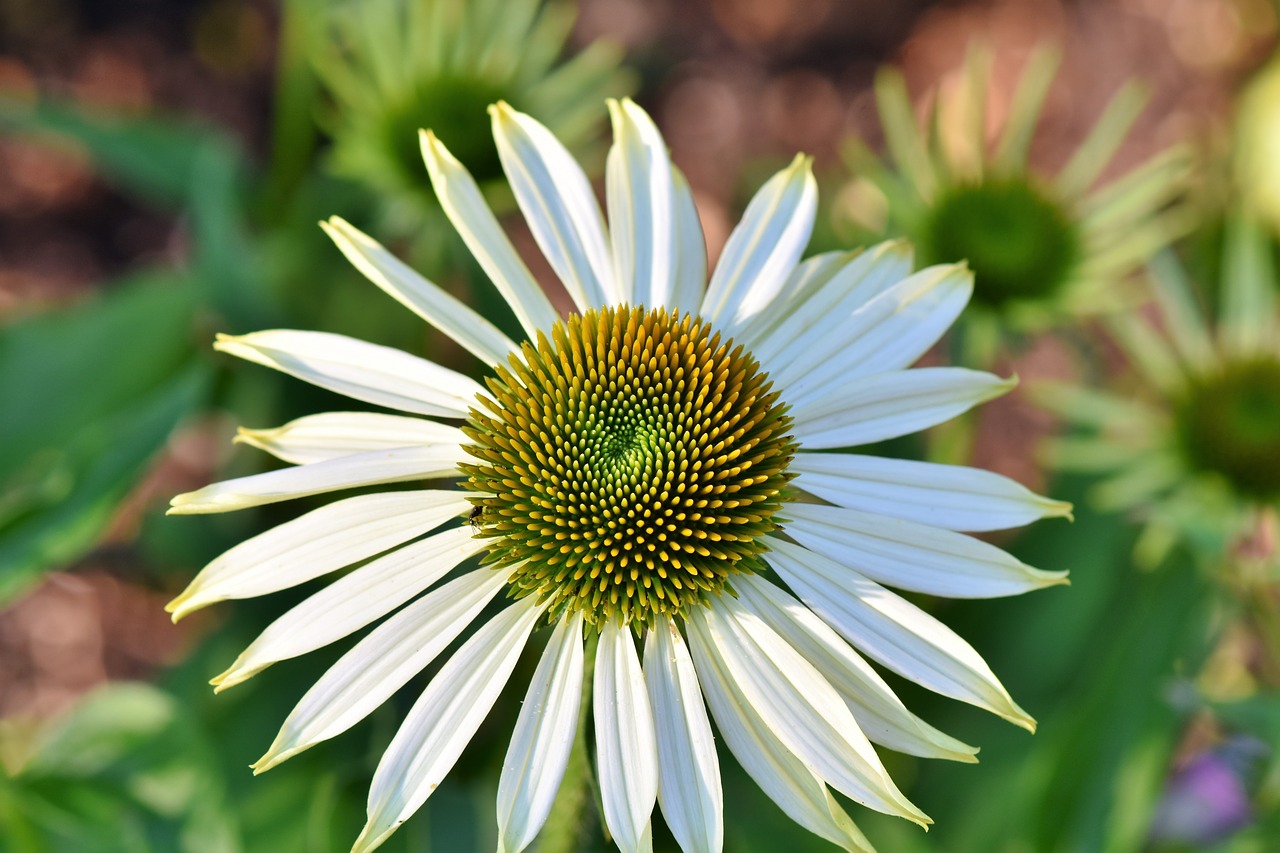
{"x":91,"y":394}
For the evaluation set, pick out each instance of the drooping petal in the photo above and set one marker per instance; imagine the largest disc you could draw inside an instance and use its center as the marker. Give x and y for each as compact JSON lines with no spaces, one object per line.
{"x":316,"y":438}
{"x":424,"y":298}
{"x":543,"y":737}
{"x":879,"y":712}
{"x":887,"y":333}
{"x":346,"y":472}
{"x":354,"y":601}
{"x":689,"y":789}
{"x":892,"y":631}
{"x":764,"y":247}
{"x":626,"y":745}
{"x":556,"y":199}
{"x":375,"y":374}
{"x":443,"y":721}
{"x":787,"y":780}
{"x":793,"y":699}
{"x":381,"y":664}
{"x":950,"y":496}
{"x":886,"y":405}
{"x":322,"y":541}
{"x":640,"y":191}
{"x":463,"y":203}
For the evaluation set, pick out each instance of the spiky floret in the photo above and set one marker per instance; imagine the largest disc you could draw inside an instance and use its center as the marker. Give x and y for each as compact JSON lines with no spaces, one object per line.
{"x":630,"y":465}
{"x":1229,"y":423}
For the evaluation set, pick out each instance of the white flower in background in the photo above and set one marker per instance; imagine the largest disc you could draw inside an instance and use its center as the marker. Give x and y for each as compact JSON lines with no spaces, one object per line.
{"x":624,"y":474}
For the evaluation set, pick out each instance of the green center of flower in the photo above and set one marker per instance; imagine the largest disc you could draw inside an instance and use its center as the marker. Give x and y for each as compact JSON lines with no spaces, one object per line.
{"x":629,"y":466}
{"x":1019,"y":244}
{"x":455,"y":109}
{"x":1230,"y":423}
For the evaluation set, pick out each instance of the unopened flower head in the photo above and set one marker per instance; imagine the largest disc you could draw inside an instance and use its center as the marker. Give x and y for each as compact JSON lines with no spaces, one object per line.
{"x":1043,"y":249}
{"x":1192,"y":442}
{"x":654,"y":466}
{"x":393,"y":66}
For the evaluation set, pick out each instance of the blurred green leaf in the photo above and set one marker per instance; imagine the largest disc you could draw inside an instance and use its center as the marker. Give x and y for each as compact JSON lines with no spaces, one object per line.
{"x":124,"y":771}
{"x":91,"y":394}
{"x":156,"y":158}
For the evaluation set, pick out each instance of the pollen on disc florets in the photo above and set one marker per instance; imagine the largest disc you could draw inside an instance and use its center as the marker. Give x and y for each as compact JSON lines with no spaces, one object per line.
{"x":628,"y":466}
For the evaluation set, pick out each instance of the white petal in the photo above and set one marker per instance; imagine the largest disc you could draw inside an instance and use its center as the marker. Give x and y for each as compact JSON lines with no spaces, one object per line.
{"x":354,"y":601}
{"x":626,"y":745}
{"x":833,"y":282}
{"x":913,"y":556}
{"x":893,"y":631}
{"x":691,"y":250}
{"x":950,"y":496}
{"x":787,"y":780}
{"x":640,"y":191}
{"x":347,"y":472}
{"x":764,"y":248}
{"x":470,"y":214}
{"x":797,"y":704}
{"x":887,"y":333}
{"x":443,"y":720}
{"x":382,"y":663}
{"x":878,"y":711}
{"x":688,"y":771}
{"x":556,"y":199}
{"x":315,"y":438}
{"x":424,"y":298}
{"x":361,"y":370}
{"x":872,"y":408}
{"x":322,"y":541}
{"x":542,"y":740}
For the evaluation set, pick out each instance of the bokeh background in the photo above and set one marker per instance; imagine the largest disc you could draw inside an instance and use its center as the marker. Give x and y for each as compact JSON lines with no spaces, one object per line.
{"x":162,"y":167}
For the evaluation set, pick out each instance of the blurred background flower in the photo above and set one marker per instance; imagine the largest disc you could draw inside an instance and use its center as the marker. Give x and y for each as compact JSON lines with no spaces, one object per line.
{"x":162,"y":168}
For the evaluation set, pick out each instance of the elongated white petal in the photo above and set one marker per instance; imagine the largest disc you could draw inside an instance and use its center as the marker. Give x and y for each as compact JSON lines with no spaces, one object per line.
{"x":797,"y":704}
{"x":443,"y":720}
{"x":918,"y":557}
{"x":640,"y":192}
{"x":363,"y":371}
{"x":316,"y":438}
{"x":691,"y":250}
{"x":381,"y":663}
{"x":626,"y":745}
{"x":426,"y":299}
{"x":872,"y":408}
{"x":466,"y":208}
{"x":887,"y":333}
{"x":354,"y":601}
{"x":542,"y":740}
{"x":831,"y":283}
{"x":893,"y":631}
{"x":788,"y":781}
{"x":346,"y":472}
{"x":556,"y":199}
{"x":950,"y":496}
{"x":688,"y":771}
{"x":764,"y":247}
{"x":322,"y":541}
{"x":879,"y":712}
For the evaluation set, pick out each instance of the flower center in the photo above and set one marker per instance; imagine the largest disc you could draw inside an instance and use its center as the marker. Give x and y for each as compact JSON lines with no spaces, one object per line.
{"x":455,"y":109}
{"x":629,"y":466}
{"x":1230,"y":423}
{"x":1020,"y":245}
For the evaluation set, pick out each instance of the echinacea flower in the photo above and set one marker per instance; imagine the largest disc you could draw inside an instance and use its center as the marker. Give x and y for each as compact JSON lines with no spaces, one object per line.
{"x":1190,"y":441}
{"x":1043,"y":249}
{"x":391,"y":67}
{"x":625,"y":473}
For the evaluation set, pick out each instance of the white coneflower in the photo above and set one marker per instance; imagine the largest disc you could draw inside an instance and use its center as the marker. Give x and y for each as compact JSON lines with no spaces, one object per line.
{"x":626,"y":470}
